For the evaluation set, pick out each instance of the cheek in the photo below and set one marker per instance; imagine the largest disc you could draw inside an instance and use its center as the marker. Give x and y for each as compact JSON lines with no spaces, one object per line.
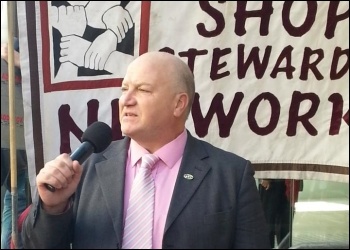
{"x":152,"y":112}
{"x":161,"y":112}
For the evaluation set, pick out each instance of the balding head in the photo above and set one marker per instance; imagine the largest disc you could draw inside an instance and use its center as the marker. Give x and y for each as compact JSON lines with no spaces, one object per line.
{"x":171,"y":69}
{"x":157,"y":94}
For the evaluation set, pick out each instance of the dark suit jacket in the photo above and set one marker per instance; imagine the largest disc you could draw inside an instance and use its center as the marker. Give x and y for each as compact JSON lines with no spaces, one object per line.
{"x":219,"y":208}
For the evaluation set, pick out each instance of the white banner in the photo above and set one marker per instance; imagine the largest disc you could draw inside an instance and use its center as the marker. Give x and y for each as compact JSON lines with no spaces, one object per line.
{"x":272,"y":77}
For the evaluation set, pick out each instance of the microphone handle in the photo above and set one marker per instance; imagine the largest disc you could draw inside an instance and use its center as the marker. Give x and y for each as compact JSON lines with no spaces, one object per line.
{"x":80,"y":154}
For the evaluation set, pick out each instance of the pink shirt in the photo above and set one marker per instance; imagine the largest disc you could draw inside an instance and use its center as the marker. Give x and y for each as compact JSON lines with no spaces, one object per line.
{"x":164,"y":174}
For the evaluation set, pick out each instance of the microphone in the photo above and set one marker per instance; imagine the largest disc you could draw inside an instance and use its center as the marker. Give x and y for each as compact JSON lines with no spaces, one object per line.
{"x":95,"y":139}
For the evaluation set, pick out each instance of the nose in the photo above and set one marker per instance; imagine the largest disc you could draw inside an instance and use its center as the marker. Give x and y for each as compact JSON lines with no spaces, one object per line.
{"x":127,"y":98}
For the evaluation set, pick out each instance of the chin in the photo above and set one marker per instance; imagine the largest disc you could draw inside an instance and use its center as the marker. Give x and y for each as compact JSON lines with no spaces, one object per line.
{"x":127,"y":131}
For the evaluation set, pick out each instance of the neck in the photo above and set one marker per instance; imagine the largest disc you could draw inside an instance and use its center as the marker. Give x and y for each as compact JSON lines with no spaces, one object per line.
{"x":152,"y":144}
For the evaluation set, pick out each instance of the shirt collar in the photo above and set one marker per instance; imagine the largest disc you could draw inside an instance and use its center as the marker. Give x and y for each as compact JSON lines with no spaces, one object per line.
{"x":169,"y":153}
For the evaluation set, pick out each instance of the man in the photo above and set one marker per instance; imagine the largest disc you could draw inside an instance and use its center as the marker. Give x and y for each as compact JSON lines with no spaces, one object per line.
{"x":278,"y":197}
{"x":205,"y":197}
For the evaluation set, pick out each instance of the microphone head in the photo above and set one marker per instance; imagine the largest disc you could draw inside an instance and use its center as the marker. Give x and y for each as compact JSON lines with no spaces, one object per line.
{"x":99,"y":134}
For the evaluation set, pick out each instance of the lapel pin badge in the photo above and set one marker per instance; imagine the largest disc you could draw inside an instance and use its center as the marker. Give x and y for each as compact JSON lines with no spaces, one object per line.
{"x":188,"y":176}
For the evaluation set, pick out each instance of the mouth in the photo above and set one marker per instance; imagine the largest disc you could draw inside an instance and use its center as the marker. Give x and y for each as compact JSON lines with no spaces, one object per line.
{"x":129,"y":114}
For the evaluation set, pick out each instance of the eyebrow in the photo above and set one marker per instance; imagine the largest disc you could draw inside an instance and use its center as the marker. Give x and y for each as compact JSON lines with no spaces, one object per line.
{"x":137,"y":84}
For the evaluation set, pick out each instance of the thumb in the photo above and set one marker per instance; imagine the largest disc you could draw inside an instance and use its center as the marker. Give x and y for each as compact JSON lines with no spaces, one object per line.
{"x":78,"y":170}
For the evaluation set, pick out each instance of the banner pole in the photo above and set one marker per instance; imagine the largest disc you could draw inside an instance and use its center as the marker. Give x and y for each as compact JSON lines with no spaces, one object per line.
{"x":12,"y":122}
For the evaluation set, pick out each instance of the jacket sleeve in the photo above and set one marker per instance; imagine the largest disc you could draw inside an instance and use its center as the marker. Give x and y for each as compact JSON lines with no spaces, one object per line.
{"x":44,"y":231}
{"x":251,"y":229}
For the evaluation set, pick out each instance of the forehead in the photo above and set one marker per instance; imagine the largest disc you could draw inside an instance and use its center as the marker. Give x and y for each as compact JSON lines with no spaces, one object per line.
{"x":148,"y":71}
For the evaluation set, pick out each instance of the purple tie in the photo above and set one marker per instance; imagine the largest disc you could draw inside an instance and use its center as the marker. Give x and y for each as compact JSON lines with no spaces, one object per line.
{"x":138,"y":228}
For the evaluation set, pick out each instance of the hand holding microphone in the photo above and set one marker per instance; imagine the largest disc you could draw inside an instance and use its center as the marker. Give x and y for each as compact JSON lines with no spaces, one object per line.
{"x":61,"y":176}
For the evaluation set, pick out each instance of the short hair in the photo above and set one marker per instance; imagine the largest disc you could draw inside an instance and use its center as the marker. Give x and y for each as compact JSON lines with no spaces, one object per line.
{"x":186,"y":78}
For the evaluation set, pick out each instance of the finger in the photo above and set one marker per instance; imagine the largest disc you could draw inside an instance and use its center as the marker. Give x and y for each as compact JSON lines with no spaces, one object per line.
{"x":97,"y":62}
{"x":87,"y":58}
{"x":64,"y":52}
{"x":92,"y":61}
{"x":118,"y":34}
{"x":78,"y":169}
{"x":61,"y":169}
{"x":66,"y":38}
{"x":124,"y":28}
{"x":64,"y":59}
{"x":64,"y":44}
{"x":129,"y":21}
{"x":56,"y":176}
{"x":101,"y":64}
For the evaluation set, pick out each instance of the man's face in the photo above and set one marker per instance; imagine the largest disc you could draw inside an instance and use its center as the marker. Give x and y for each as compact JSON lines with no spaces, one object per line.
{"x":147,"y":101}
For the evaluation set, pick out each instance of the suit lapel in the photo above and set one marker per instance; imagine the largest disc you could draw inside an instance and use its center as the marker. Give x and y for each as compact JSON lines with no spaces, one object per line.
{"x":185,"y":187}
{"x":111,"y":175}
{"x":111,"y":179}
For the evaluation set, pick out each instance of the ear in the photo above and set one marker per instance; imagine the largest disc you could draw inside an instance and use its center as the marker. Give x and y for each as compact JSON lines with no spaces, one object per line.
{"x":181,"y":103}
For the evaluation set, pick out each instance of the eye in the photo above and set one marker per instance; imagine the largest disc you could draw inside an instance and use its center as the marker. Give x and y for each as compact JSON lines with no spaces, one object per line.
{"x":143,"y":90}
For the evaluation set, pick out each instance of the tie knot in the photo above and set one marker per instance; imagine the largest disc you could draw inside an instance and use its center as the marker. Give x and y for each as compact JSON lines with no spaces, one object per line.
{"x":148,"y":161}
